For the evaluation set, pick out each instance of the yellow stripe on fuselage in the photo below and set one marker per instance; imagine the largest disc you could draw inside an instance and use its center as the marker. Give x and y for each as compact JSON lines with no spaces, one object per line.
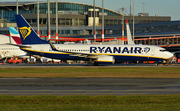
{"x":103,"y":61}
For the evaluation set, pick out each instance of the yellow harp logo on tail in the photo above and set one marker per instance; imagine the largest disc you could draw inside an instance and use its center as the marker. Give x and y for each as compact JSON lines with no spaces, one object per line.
{"x":25,"y":31}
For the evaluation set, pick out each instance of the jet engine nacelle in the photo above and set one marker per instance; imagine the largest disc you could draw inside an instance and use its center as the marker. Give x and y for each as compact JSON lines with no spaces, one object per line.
{"x":106,"y":59}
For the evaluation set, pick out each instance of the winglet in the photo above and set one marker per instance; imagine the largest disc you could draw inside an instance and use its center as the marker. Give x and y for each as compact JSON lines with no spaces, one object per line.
{"x":129,"y":37}
{"x":52,"y":46}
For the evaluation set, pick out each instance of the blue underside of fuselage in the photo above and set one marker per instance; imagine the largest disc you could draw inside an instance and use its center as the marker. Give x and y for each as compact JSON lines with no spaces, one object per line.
{"x":116,"y":57}
{"x":135,"y":58}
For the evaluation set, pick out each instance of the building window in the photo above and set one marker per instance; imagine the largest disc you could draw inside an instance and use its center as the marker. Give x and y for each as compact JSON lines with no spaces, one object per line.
{"x":106,"y":22}
{"x":53,"y":21}
{"x":68,"y":21}
{"x":115,"y":22}
{"x":34,"y":21}
{"x":63,"y":21}
{"x":76,"y":22}
{"x":111,"y":22}
{"x":81,"y":22}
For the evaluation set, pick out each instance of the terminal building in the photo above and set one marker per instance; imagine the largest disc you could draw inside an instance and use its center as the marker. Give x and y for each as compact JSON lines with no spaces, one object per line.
{"x":75,"y":19}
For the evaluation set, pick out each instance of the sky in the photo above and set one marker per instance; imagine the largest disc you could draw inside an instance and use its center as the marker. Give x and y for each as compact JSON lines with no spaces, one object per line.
{"x":153,"y":7}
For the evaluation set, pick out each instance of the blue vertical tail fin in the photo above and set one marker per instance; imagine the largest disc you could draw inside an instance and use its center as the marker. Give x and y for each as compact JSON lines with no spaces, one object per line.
{"x":27,"y":33}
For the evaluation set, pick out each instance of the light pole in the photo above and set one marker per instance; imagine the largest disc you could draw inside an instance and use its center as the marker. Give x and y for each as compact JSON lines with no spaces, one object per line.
{"x":143,"y":7}
{"x":102,"y":20}
{"x":133,"y":20}
{"x":130,"y":12}
{"x":17,"y":7}
{"x":38,"y":17}
{"x":56,"y":20}
{"x":17,"y":12}
{"x":94,"y":23}
{"x":48,"y":16}
{"x":122,"y":26}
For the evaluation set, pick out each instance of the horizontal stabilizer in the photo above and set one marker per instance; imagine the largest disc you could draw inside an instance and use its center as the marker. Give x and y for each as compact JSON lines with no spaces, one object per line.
{"x":21,"y":46}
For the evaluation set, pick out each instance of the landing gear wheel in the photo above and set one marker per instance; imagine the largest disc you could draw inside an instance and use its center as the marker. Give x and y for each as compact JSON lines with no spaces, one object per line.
{"x":96,"y":64}
{"x":89,"y":63}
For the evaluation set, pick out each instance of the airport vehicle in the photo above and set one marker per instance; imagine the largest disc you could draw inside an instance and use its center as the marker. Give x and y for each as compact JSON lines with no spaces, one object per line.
{"x":69,"y":61}
{"x":56,"y":61}
{"x":45,"y":60}
{"x":31,"y":60}
{"x":15,"y":60}
{"x":92,"y":53}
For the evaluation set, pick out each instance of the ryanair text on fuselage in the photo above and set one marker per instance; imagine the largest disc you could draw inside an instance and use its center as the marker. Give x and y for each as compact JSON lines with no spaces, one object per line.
{"x":122,"y":50}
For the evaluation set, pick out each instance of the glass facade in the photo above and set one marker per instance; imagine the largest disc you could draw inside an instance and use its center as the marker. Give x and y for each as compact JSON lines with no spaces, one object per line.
{"x":157,"y":29}
{"x":81,"y":9}
{"x":65,"y":8}
{"x":9,"y":15}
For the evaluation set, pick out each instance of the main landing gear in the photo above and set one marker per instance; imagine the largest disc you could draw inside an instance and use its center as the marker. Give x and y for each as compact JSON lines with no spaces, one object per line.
{"x":92,"y":63}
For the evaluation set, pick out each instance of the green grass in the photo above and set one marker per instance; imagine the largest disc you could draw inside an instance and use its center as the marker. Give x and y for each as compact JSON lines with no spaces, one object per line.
{"x":92,"y":69}
{"x":91,"y":103}
{"x":133,"y":72}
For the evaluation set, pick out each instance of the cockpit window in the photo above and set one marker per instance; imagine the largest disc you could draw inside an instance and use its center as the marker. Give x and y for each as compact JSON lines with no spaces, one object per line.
{"x":162,"y":50}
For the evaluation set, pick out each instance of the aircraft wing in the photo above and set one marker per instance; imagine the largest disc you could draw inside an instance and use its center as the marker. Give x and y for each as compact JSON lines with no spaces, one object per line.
{"x":85,"y":55}
{"x":176,"y":52}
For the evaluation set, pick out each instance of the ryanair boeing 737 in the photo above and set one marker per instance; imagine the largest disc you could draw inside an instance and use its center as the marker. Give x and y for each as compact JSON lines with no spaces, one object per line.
{"x":92,"y":53}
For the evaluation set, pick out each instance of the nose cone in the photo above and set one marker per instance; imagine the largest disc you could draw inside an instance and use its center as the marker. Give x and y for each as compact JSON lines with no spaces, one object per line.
{"x":169,"y":55}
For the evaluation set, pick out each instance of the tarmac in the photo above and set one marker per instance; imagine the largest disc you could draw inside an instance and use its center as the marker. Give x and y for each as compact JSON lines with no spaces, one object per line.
{"x":88,"y":86}
{"x":48,"y":65}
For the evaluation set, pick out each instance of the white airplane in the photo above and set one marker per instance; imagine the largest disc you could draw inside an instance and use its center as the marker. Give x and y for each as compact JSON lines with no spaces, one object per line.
{"x":8,"y":51}
{"x":92,"y":53}
{"x":6,"y":39}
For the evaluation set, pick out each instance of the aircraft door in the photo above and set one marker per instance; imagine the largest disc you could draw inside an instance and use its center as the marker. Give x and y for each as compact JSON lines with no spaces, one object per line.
{"x":42,"y":49}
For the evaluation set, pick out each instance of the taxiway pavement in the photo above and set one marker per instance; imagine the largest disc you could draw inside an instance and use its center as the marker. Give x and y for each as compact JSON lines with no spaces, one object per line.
{"x":88,"y":86}
{"x":39,"y":65}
